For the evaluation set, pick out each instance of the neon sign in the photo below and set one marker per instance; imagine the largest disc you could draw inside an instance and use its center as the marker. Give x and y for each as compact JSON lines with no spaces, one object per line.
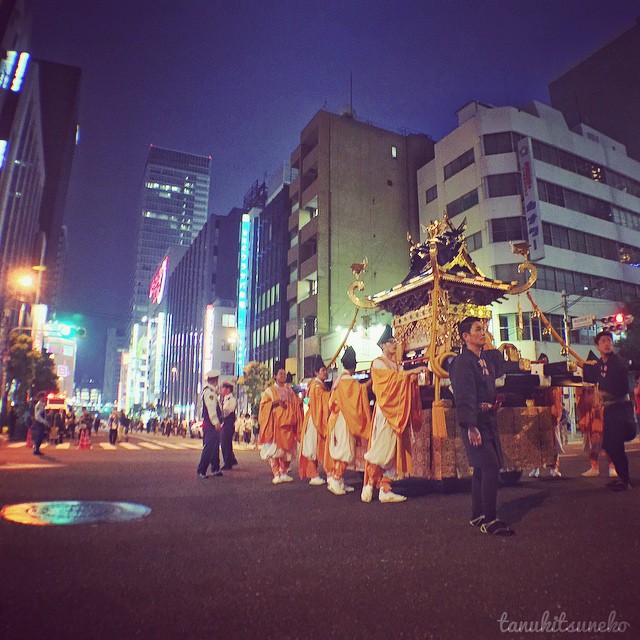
{"x":243,"y":288}
{"x":156,"y":289}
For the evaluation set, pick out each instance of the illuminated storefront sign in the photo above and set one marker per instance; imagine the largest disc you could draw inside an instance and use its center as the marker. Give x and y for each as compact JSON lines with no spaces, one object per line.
{"x":243,"y":289}
{"x":156,"y":289}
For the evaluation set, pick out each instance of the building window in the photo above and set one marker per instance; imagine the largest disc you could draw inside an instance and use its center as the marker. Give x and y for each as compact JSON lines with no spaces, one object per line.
{"x":474,"y":241}
{"x":432,"y":194}
{"x":503,"y":184}
{"x":505,"y":229}
{"x":496,"y":143}
{"x":463,"y":203}
{"x":394,"y":151}
{"x":228,"y":320}
{"x":227,"y":368}
{"x":457,"y":165}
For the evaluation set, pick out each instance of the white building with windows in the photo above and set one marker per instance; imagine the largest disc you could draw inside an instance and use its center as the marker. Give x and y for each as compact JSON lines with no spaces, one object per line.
{"x":588,"y":200}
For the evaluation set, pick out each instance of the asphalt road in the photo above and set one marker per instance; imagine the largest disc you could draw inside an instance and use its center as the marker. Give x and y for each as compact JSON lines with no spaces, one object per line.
{"x":236,"y":557}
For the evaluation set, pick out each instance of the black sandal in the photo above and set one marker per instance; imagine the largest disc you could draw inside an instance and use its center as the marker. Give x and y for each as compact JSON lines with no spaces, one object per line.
{"x":477,"y":522}
{"x":497,"y":528}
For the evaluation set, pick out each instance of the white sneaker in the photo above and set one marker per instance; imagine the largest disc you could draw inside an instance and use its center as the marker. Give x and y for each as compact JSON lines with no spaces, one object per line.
{"x":276,"y":480}
{"x":334,"y":486}
{"x":367,"y":493}
{"x":534,"y":473}
{"x":347,"y":488}
{"x":591,"y":473}
{"x":316,"y":482}
{"x":554,"y":473}
{"x":389,"y":496}
{"x":613,"y":473}
{"x":285,"y":477}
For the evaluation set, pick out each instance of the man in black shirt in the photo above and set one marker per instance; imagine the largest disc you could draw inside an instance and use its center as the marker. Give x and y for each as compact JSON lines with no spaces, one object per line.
{"x":611,"y":374}
{"x":473,"y":379}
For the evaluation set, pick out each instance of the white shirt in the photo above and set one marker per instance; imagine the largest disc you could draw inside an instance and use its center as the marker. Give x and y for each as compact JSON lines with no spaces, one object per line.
{"x":228,"y":405}
{"x":210,"y":399}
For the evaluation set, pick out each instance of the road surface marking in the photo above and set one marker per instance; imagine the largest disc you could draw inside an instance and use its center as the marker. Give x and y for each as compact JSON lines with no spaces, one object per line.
{"x":64,"y":445}
{"x":128,"y":445}
{"x":192,"y":445}
{"x":170,"y":445}
{"x":15,"y":445}
{"x":108,"y":446}
{"x":26,"y":465}
{"x":150,"y":445}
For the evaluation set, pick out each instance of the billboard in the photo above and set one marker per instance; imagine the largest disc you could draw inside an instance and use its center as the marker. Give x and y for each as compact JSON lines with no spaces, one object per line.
{"x":531,"y":200}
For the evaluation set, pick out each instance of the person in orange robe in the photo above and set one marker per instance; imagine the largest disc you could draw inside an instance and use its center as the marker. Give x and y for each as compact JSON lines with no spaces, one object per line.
{"x":397,"y":410}
{"x":314,"y":428}
{"x":280,"y":419}
{"x":350,"y":418}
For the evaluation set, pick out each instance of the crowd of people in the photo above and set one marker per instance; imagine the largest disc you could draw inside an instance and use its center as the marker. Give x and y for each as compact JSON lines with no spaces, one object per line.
{"x":325,"y":436}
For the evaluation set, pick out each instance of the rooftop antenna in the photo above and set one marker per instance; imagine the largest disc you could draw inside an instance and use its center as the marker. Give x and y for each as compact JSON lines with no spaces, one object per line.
{"x":351,"y":91}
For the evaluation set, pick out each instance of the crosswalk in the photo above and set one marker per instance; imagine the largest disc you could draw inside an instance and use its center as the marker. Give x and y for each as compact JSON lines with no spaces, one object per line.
{"x":139,"y":445}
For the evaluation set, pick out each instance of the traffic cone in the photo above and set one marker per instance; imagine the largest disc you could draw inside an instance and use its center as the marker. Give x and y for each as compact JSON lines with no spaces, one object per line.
{"x":84,"y":442}
{"x":29,"y":440}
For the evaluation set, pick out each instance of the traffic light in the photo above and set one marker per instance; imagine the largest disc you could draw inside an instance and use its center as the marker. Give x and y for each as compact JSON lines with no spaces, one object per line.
{"x":71,"y":331}
{"x":617,"y":322}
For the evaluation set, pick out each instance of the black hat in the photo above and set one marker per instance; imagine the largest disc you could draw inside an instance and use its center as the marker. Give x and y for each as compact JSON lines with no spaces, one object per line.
{"x":387,"y":335}
{"x":349,"y":359}
{"x":277,"y":366}
{"x":318,"y":363}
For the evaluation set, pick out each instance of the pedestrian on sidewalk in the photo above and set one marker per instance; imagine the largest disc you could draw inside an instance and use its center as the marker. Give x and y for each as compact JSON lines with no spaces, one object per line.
{"x":39,"y":424}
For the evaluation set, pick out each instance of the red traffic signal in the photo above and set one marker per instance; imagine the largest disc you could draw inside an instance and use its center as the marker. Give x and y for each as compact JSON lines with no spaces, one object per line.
{"x":617,"y":322}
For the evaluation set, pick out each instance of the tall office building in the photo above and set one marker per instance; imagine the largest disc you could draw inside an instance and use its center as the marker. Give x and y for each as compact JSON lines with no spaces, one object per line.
{"x":355,"y":196}
{"x":197,"y":322}
{"x":116,"y":345}
{"x":268,"y":208}
{"x":22,"y":170}
{"x":59,"y":100}
{"x":173,"y":209}
{"x":585,"y":193}
{"x":603,"y":90}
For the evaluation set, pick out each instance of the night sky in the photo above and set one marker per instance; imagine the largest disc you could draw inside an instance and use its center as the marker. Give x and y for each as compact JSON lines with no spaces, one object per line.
{"x":239,"y":80}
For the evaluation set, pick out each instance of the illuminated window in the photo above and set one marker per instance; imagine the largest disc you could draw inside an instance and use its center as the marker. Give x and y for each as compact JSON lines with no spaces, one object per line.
{"x":394,"y":151}
{"x":228,"y":320}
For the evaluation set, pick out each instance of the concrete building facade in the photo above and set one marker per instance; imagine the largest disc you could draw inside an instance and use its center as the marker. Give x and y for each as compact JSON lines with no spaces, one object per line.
{"x":603,"y":90}
{"x":354,"y":196}
{"x":588,"y":200}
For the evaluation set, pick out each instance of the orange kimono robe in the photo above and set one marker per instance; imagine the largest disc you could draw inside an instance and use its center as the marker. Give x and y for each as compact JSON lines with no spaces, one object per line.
{"x":350,"y":399}
{"x":280,"y":425}
{"x":318,"y":412}
{"x":398,"y":399}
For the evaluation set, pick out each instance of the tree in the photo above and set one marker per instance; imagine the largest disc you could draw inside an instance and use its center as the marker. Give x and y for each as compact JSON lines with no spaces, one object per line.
{"x":28,"y":370}
{"x":21,"y":368}
{"x":45,"y":378}
{"x":254,"y":381}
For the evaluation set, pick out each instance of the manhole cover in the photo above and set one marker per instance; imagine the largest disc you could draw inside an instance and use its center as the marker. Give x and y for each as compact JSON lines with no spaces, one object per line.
{"x":73,"y":512}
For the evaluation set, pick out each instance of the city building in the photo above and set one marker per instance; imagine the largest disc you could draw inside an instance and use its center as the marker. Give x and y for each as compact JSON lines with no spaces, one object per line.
{"x":603,"y":90}
{"x":22,"y":169}
{"x":353,"y":197}
{"x":59,"y":90}
{"x":268,"y":208}
{"x":173,"y":209}
{"x":116,"y":344}
{"x":588,"y":201}
{"x":199,"y":330}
